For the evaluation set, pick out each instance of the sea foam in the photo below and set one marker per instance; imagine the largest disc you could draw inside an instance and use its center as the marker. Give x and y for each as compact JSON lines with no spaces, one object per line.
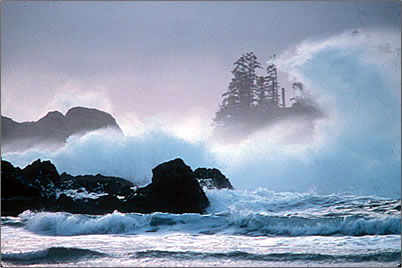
{"x":237,"y":212}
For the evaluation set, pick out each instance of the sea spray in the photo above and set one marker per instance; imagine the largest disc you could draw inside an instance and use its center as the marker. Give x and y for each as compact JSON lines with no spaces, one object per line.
{"x":129,"y":157}
{"x":354,"y":149}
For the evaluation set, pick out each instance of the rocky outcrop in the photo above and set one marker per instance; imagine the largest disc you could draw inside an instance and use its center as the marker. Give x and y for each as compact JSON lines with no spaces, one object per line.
{"x":89,"y":194}
{"x":174,"y":189}
{"x":212,"y":178}
{"x":53,"y":129}
{"x":96,"y":183}
{"x":80,"y":119}
{"x":33,"y":187}
{"x":39,"y":186}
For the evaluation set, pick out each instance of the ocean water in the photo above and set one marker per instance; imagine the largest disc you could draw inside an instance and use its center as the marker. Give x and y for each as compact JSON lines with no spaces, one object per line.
{"x":241,"y":228}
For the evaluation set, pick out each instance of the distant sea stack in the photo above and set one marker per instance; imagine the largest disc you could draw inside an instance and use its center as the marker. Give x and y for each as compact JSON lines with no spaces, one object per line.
{"x":53,"y":129}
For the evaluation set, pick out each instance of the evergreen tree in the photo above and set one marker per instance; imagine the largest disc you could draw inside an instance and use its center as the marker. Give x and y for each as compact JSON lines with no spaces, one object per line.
{"x":262,"y":101}
{"x":253,"y":101}
{"x":240,"y":97}
{"x":245,"y":72}
{"x":273,"y":86}
{"x":229,"y":109}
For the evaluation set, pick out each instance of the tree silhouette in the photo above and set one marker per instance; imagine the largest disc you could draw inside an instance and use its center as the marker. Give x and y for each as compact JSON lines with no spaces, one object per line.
{"x":273,"y":86}
{"x":240,"y":98}
{"x":252,"y":101}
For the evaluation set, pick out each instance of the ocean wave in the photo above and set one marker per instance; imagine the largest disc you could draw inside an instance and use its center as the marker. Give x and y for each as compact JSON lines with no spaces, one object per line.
{"x":305,"y":204}
{"x":61,"y":223}
{"x":50,"y":255}
{"x":11,"y":221}
{"x":238,"y":224}
{"x":387,"y":256}
{"x":300,"y":226}
{"x":257,"y":213}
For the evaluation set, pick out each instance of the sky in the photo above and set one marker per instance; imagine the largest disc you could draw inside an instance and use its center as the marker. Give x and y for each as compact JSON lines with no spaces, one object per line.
{"x":168,"y":60}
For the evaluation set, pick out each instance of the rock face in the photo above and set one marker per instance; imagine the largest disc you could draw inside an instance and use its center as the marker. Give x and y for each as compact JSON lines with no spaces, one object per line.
{"x":90,"y":194}
{"x":53,"y":129}
{"x":33,"y":187}
{"x":212,"y":178}
{"x":174,"y":189}
{"x":39,"y":186}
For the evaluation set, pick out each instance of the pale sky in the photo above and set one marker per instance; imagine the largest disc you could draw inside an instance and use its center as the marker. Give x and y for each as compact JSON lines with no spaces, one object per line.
{"x":143,"y":59}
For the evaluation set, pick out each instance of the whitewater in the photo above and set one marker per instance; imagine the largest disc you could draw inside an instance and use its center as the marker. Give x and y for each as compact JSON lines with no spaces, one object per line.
{"x":325,"y":193}
{"x":241,"y":228}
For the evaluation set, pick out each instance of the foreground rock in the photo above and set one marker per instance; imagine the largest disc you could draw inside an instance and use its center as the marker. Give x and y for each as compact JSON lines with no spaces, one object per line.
{"x":174,"y":189}
{"x":212,"y":178}
{"x":39,"y":187}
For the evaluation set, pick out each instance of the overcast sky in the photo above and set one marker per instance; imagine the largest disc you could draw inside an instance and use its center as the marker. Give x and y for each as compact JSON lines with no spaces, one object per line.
{"x":142,"y":59}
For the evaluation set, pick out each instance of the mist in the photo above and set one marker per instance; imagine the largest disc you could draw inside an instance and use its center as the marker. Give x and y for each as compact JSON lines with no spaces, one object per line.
{"x":353,"y":149}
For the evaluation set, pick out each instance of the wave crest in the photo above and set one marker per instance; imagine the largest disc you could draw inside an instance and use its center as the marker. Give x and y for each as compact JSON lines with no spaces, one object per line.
{"x":50,"y":255}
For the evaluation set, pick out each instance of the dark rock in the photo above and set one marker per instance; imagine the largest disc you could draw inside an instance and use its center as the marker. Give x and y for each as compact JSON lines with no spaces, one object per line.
{"x":33,"y":187}
{"x":17,"y":194}
{"x":212,"y":178}
{"x":97,"y":183}
{"x":16,"y":205}
{"x":111,"y":192}
{"x":53,"y":130}
{"x":39,"y":186}
{"x":43,"y":176}
{"x":174,"y":189}
{"x":102,"y":205}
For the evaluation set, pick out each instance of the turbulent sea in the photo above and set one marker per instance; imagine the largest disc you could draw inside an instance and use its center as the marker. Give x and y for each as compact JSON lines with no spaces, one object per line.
{"x":241,"y":228}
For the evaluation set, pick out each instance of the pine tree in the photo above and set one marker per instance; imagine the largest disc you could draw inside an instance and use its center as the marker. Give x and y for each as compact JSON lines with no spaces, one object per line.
{"x":273,"y":86}
{"x":229,"y":109}
{"x":240,"y":98}
{"x":262,"y":101}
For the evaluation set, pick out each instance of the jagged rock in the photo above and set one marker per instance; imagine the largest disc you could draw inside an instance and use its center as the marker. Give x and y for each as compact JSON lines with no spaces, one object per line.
{"x":98,"y":206}
{"x":39,"y":186}
{"x":43,"y":176}
{"x":174,"y":189}
{"x":53,"y":130}
{"x":17,"y":194}
{"x":212,"y":178}
{"x":34,"y":187}
{"x":89,"y":194}
{"x":96,"y":183}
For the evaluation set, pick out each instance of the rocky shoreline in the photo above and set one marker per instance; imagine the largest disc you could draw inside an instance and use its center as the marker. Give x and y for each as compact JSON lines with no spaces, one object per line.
{"x":175,"y":188}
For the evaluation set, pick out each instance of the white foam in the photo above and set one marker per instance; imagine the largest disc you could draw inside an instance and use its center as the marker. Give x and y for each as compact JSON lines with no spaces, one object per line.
{"x":81,"y":193}
{"x":260,"y":212}
{"x":61,"y":223}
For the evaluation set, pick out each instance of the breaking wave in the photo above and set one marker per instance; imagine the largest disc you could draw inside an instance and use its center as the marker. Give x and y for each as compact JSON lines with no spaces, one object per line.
{"x":258,"y":213}
{"x":287,"y":257}
{"x":50,"y":255}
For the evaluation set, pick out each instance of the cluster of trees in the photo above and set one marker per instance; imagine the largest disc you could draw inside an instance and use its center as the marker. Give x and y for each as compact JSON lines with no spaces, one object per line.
{"x":250,"y":96}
